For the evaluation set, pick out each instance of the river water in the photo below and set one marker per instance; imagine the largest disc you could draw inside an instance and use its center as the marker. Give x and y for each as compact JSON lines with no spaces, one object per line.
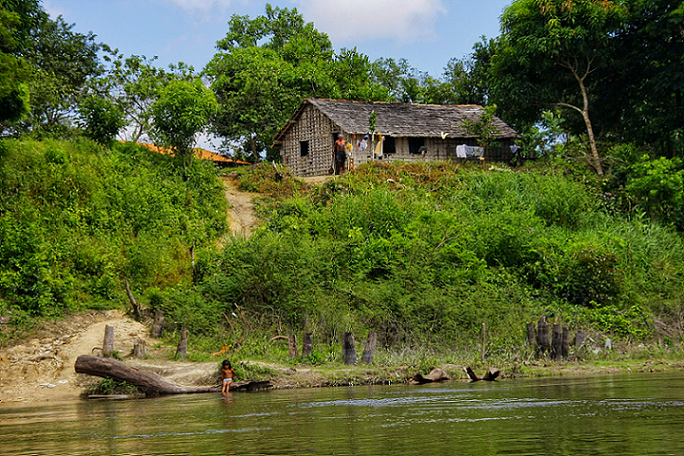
{"x":637,"y":414}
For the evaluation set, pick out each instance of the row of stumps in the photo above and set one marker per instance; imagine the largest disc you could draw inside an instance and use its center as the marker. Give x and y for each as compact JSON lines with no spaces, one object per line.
{"x":555,"y":342}
{"x":348,"y":347}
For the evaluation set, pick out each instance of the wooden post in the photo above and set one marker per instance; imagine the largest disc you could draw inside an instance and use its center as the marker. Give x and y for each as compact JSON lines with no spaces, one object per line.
{"x":349,"y":348}
{"x":307,"y":345}
{"x":182,"y":349}
{"x":580,"y":337}
{"x":531,"y":335}
{"x":557,"y":341}
{"x":158,"y":324}
{"x":292,"y":342}
{"x":136,"y":307}
{"x":543,"y":342}
{"x":565,"y":346}
{"x":369,"y":349}
{"x":108,"y":344}
{"x":484,"y":341}
{"x":139,"y":348}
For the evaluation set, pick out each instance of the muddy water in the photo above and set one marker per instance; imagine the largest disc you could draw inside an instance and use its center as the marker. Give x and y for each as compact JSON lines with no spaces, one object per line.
{"x":638,"y":414}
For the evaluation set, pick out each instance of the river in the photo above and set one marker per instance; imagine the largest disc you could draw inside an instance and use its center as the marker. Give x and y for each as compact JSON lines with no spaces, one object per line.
{"x":637,"y":414}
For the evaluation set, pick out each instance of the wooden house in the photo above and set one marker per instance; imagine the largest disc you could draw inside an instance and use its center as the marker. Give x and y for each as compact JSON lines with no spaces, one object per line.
{"x":408,"y":132}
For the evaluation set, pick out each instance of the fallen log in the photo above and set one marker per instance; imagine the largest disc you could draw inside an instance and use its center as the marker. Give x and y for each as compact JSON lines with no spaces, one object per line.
{"x":151,"y":383}
{"x":489,"y":376}
{"x":435,"y":375}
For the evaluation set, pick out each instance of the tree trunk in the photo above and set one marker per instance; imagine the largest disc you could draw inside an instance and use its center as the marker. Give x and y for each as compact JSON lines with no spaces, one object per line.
{"x":307,"y":345}
{"x":292,"y":342}
{"x":543,"y":342}
{"x":484,"y":342}
{"x":158,"y":324}
{"x":139,"y":348}
{"x":531,"y":335}
{"x":136,"y":307}
{"x":349,"y":349}
{"x":369,"y":349}
{"x":151,"y":383}
{"x":565,"y":346}
{"x":182,"y":349}
{"x":108,"y":344}
{"x":557,"y":341}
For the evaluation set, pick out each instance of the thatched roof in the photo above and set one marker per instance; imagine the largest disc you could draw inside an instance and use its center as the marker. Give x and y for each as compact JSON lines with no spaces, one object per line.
{"x":400,"y":119}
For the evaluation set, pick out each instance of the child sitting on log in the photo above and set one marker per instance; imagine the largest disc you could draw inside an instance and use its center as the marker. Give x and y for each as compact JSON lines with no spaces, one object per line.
{"x":227,"y":373}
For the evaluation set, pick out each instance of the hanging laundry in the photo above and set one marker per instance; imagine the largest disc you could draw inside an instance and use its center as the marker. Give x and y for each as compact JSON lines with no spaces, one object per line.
{"x":378,"y":148}
{"x":461,"y":151}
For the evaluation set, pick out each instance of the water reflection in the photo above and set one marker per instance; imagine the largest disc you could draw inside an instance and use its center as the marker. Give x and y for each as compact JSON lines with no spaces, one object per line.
{"x":625,"y":415}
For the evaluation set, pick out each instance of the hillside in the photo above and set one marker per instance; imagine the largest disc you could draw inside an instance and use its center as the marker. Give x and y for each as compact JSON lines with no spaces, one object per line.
{"x":422,"y":254}
{"x":78,"y":219}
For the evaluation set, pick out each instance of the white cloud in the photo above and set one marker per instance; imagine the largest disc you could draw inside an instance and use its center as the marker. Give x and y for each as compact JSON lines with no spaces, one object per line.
{"x":53,"y":10}
{"x":404,"y":20}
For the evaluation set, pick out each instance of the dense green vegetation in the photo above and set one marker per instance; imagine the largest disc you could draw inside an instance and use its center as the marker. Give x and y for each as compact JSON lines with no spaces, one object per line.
{"x":78,"y":219}
{"x":424,"y":254}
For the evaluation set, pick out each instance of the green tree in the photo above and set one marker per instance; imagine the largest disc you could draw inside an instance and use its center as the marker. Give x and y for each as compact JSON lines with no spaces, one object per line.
{"x":101,"y":119}
{"x":549,"y":54}
{"x":18,"y":21}
{"x":267,"y":65}
{"x":182,"y":110}
{"x":63,"y":62}
{"x":484,"y":129}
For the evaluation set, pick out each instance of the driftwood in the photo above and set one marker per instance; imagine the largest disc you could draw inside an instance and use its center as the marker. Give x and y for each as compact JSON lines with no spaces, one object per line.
{"x":489,"y":376}
{"x":151,"y":383}
{"x":435,"y":375}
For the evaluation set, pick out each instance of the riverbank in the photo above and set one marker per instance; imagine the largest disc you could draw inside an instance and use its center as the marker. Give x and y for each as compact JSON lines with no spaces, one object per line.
{"x":42,"y":368}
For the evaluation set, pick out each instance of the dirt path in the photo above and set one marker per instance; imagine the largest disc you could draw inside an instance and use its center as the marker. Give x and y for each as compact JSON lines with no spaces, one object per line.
{"x":242,"y":219}
{"x":43,"y":369}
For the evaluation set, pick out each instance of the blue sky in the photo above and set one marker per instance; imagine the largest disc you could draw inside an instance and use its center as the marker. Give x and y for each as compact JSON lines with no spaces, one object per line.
{"x":426,"y":32}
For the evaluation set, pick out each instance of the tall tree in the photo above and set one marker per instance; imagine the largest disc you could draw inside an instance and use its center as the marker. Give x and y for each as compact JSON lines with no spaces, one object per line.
{"x":267,"y":65}
{"x":551,"y":52}
{"x":63,"y":61}
{"x":18,"y":22}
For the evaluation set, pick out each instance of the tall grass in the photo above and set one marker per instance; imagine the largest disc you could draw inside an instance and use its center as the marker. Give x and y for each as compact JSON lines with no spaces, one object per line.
{"x":78,"y":219}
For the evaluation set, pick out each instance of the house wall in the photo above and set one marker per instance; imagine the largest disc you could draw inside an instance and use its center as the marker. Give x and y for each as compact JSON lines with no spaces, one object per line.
{"x":317,"y":129}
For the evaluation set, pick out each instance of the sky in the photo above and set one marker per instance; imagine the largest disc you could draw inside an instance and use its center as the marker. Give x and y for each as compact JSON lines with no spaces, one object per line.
{"x":428,"y":33}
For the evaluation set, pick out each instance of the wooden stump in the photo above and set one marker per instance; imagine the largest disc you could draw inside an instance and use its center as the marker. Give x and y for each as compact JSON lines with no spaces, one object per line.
{"x":136,"y":307}
{"x":139,"y":348}
{"x":531,"y":335}
{"x":543,"y":342}
{"x":182,"y":349}
{"x":484,"y":342}
{"x":158,"y":324}
{"x":565,"y":346}
{"x":108,"y":344}
{"x":580,"y":337}
{"x":557,"y":341}
{"x":349,"y":349}
{"x":292,"y":342}
{"x":369,"y":349}
{"x":307,"y":345}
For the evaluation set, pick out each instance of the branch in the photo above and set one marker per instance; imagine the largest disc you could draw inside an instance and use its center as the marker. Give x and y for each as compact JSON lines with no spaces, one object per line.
{"x":571,"y":106}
